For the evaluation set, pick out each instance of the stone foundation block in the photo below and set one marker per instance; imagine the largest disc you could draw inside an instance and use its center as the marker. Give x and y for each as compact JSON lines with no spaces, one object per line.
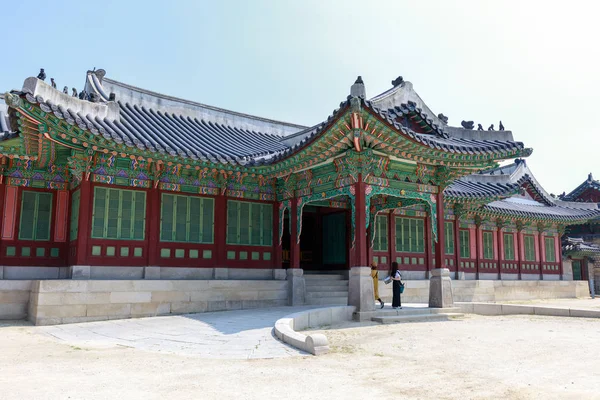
{"x":296,"y":287}
{"x":360,"y":289}
{"x":151,"y":272}
{"x":131,"y":297}
{"x":440,"y":289}
{"x":279,"y":274}
{"x":109,"y":310}
{"x":80,"y":272}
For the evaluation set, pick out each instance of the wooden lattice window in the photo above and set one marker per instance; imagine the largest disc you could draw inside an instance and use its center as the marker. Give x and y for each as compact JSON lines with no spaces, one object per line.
{"x":550,"y":251}
{"x":186,"y":219}
{"x":381,"y":233}
{"x":410,"y":235}
{"x":509,"y":247}
{"x":74,"y":226}
{"x":36,"y":216}
{"x":249,"y":223}
{"x":119,"y":214}
{"x":465,"y":243}
{"x":448,"y":238}
{"x":529,"y":248}
{"x":488,"y":245}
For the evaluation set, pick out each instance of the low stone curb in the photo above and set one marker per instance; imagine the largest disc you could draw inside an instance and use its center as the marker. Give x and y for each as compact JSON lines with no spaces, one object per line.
{"x":286,"y":328}
{"x":515,"y":309}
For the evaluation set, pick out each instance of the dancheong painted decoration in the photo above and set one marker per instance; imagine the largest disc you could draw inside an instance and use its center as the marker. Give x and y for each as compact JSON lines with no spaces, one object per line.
{"x":123,"y":177}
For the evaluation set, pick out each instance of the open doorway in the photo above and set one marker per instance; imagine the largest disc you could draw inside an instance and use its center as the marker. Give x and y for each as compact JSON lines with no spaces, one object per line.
{"x":324,"y":239}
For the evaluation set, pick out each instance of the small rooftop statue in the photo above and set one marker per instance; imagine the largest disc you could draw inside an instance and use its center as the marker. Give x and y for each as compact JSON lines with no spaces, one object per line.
{"x":590,"y":177}
{"x":112,"y":96}
{"x":443,"y":118}
{"x":74,"y":94}
{"x":491,"y":128}
{"x":42,"y":74}
{"x":82,"y":95}
{"x":479,"y":127}
{"x":467,"y":124}
{"x":66,"y":90}
{"x":53,"y":83}
{"x":398,"y":81}
{"x":500,"y":126}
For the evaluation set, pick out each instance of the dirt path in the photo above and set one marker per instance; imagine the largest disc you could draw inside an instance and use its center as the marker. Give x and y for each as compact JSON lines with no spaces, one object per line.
{"x":516,"y":357}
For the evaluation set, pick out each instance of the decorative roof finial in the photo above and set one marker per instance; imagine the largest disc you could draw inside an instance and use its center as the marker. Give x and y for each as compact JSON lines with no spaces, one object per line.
{"x":53,"y":83}
{"x":398,"y":81}
{"x":42,"y":74}
{"x":358,"y":89}
{"x":590,"y":177}
{"x":112,"y":96}
{"x":467,"y":124}
{"x":66,"y":90}
{"x":500,"y":126}
{"x":443,"y":118}
{"x":479,"y":127}
{"x":491,"y":128}
{"x":74,"y":94}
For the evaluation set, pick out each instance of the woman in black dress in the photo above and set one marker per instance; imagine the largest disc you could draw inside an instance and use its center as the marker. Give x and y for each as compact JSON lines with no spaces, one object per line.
{"x":396,"y":283}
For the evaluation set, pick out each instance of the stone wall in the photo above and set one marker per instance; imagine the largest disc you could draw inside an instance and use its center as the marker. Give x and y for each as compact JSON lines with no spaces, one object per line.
{"x":68,"y":301}
{"x":482,"y":291}
{"x":14,"y":298}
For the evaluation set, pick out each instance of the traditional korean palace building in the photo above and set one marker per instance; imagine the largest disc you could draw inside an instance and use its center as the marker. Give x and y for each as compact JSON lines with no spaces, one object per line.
{"x":127,"y":183}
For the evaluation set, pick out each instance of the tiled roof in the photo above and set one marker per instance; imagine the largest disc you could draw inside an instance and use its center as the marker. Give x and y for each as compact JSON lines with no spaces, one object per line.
{"x":163,"y":124}
{"x":505,"y":184}
{"x":526,"y":208}
{"x":572,"y":246}
{"x":590,"y":183}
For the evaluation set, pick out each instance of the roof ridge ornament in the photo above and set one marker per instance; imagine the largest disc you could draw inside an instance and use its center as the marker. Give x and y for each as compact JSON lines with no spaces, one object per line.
{"x":398,"y":81}
{"x":358,"y":89}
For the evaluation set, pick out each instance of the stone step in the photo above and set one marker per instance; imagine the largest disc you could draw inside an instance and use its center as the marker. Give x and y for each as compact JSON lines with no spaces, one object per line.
{"x":327,"y":294}
{"x":387,"y":311}
{"x":392,"y":319}
{"x":327,"y":286}
{"x":324,"y":277}
{"x":327,"y":301}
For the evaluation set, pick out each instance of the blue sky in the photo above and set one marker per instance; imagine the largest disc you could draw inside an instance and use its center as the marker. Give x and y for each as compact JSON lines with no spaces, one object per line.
{"x":533,"y":64}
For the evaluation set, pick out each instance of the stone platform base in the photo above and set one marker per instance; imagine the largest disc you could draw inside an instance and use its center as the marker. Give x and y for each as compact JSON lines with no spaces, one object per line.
{"x":67,"y":301}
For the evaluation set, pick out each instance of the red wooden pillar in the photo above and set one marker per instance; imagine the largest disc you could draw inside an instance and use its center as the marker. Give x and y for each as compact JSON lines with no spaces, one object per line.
{"x":86,"y":200}
{"x":478,"y":246}
{"x":439,"y":246}
{"x":392,"y":240}
{"x":153,"y":217}
{"x":294,"y":238}
{"x":277,"y":233}
{"x":500,"y":249}
{"x":457,"y":244}
{"x":541,"y":246}
{"x":360,"y":230}
{"x":2,"y":193}
{"x":519,"y":256}
{"x":221,"y":230}
{"x":428,"y":242}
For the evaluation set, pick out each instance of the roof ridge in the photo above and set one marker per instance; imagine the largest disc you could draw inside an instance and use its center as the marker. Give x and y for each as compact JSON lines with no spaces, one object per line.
{"x":198,"y":104}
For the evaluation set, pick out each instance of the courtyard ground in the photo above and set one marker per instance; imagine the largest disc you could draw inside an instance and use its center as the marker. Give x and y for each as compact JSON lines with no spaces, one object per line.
{"x":509,"y":357}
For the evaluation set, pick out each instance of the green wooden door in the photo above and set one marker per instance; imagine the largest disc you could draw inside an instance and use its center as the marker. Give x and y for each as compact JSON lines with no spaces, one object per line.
{"x":334,"y":239}
{"x":577,"y":270}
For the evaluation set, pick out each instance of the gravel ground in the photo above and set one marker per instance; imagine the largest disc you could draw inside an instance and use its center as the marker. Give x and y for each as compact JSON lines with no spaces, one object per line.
{"x":509,"y":357}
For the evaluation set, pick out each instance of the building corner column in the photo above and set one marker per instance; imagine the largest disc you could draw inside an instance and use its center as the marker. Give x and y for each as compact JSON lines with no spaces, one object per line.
{"x":81,"y":268}
{"x":440,"y":284}
{"x":457,"y":214}
{"x":221,"y":230}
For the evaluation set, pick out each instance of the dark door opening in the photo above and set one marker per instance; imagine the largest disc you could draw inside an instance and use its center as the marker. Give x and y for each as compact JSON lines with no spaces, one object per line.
{"x":323,"y":242}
